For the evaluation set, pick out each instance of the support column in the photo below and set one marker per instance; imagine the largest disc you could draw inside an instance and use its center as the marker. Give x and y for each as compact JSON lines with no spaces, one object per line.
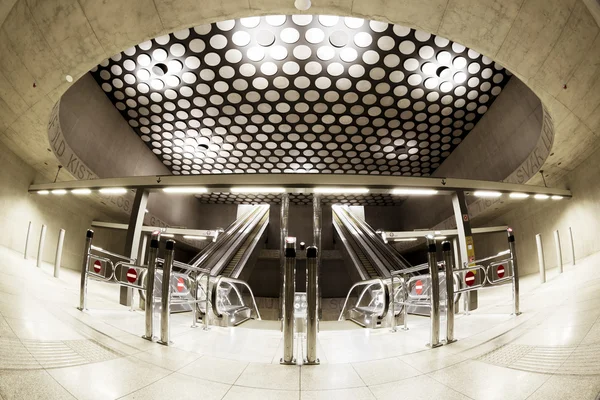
{"x":317,"y":218}
{"x":465,"y":241}
{"x":285,"y":206}
{"x":132,"y":241}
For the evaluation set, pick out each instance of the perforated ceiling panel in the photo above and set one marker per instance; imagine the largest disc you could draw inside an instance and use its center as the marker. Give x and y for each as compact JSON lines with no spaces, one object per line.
{"x":370,"y":199}
{"x":301,"y":94}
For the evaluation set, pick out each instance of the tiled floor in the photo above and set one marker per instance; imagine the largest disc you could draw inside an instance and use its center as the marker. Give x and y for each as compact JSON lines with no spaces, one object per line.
{"x":50,"y":350}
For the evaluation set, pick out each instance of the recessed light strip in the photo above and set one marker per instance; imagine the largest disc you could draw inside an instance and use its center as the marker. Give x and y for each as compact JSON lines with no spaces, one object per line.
{"x":185,"y":190}
{"x":251,"y":189}
{"x":340,"y":190}
{"x":415,"y":192}
{"x":487,"y":193}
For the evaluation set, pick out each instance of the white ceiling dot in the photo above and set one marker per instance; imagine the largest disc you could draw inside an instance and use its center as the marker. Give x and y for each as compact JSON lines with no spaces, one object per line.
{"x":363,"y":39}
{"x":325,"y":53}
{"x":275,"y":20}
{"x":302,"y":20}
{"x":356,"y":85}
{"x":226,"y":25}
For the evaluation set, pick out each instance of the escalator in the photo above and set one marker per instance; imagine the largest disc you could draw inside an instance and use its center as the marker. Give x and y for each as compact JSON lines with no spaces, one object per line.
{"x":370,"y":263}
{"x":227,"y":256}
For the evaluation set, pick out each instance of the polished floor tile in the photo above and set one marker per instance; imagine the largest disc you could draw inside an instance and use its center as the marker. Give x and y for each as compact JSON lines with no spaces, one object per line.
{"x":484,"y":381}
{"x":246,"y":393}
{"x":568,"y":387}
{"x":340,"y":394}
{"x":384,"y":371}
{"x":180,"y":387}
{"x":329,"y":376}
{"x":167,"y":357}
{"x":109,"y":379}
{"x":215,"y":369}
{"x":417,"y":388}
{"x":28,"y":385}
{"x":270,"y":376}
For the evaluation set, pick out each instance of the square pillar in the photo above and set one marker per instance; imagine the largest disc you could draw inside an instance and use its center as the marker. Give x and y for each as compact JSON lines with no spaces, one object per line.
{"x":465,"y":241}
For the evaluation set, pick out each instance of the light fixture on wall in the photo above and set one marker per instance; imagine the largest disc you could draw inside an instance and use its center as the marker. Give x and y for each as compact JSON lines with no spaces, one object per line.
{"x":340,"y":190}
{"x":113,"y":191}
{"x":557,"y":197}
{"x":81,"y":191}
{"x":251,"y":189}
{"x":59,"y":191}
{"x":302,"y":5}
{"x":415,"y":192}
{"x":540,"y":196}
{"x":487,"y":193}
{"x":185,"y":190}
{"x":519,"y":195}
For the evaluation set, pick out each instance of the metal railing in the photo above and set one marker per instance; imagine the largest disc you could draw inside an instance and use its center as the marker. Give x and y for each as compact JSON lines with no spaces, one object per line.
{"x":368,"y":286}
{"x":124,"y":273}
{"x":218,"y":300}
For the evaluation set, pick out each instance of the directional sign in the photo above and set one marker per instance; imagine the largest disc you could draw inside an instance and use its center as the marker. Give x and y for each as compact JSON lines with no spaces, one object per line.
{"x":131,"y":275}
{"x":470,"y":278}
{"x":97,"y":266}
{"x":500,"y":271}
{"x":180,"y":284}
{"x":419,"y":287}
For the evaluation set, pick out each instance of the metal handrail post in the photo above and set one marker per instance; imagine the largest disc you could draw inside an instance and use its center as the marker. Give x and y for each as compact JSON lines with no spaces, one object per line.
{"x":41,"y":246}
{"x":84,"y":268}
{"x":435,"y":293}
{"x":540,"y":253}
{"x":165,"y":312}
{"x":393,"y":329}
{"x":558,"y":252}
{"x":572,"y":245}
{"x":449,"y":269}
{"x":515,"y":272}
{"x":206,"y":308}
{"x":27,"y":240}
{"x":312,"y":294}
{"x":405,"y":301}
{"x":289,"y":285}
{"x":59,"y":249}
{"x":149,"y":306}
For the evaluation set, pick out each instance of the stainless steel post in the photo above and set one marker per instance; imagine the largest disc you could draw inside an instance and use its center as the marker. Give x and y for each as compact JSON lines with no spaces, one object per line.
{"x":515,"y":272}
{"x":317,"y":243}
{"x":449,"y":269}
{"x":59,"y":249}
{"x":572,"y":245}
{"x":149,"y":306}
{"x":41,"y":246}
{"x":558,"y":251}
{"x":540,"y":252}
{"x":393,"y":329}
{"x":141,"y":257}
{"x":289,"y":282}
{"x":27,"y":240}
{"x":405,"y":302}
{"x":312,"y":285}
{"x":165,"y":311}
{"x":434,"y":294}
{"x":207,"y":304}
{"x":285,"y":206}
{"x":84,"y":268}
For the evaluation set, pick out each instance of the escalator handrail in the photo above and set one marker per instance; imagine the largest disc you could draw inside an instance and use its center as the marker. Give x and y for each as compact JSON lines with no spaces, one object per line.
{"x":222,"y":239}
{"x":251,"y":247}
{"x":215,"y":290}
{"x":351,"y":251}
{"x":369,"y":282}
{"x":387,"y":251}
{"x":233,"y":247}
{"x":363,"y":241}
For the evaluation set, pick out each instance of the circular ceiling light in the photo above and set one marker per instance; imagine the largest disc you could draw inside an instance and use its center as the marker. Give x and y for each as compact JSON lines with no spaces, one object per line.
{"x":302,"y":5}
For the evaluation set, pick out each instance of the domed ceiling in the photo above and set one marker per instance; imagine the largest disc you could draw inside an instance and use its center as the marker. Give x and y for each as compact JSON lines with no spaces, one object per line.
{"x":301,"y":93}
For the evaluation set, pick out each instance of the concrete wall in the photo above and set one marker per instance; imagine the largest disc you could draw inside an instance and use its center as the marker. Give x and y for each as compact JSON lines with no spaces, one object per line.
{"x":499,"y":143}
{"x":18,"y":207}
{"x":582,"y":213}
